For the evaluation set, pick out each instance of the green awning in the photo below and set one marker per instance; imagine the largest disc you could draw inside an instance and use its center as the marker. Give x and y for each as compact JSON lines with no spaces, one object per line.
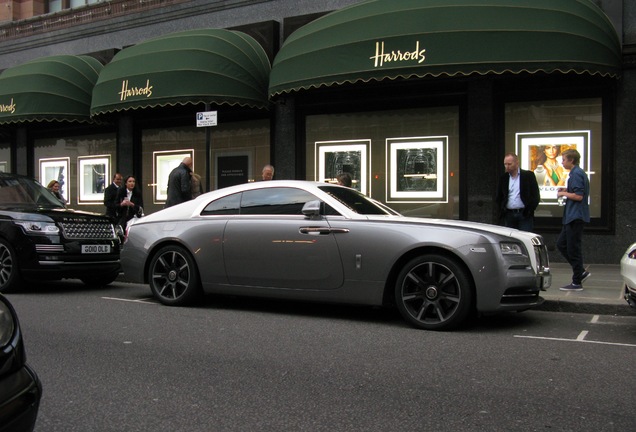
{"x":56,"y":88}
{"x":191,"y":67}
{"x":390,"y":39}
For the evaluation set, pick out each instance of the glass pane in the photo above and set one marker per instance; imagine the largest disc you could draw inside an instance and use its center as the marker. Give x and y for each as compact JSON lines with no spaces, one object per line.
{"x":77,"y":3}
{"x":5,"y":157}
{"x":55,"y":5}
{"x":287,"y":201}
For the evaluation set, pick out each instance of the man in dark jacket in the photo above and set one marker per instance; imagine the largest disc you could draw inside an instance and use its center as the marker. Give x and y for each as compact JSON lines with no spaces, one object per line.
{"x":110,"y":196}
{"x":517,"y":195}
{"x":180,"y":183}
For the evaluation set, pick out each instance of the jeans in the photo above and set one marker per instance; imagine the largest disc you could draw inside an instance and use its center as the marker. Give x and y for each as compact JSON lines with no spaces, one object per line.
{"x":569,"y":244}
{"x":518,"y":220}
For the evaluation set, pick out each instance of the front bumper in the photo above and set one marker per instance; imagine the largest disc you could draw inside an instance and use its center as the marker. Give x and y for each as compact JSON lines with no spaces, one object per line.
{"x":630,"y":295}
{"x":524,"y":288}
{"x":20,"y":395}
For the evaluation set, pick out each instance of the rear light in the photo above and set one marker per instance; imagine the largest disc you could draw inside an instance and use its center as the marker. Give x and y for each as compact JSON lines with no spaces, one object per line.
{"x":632,"y":254}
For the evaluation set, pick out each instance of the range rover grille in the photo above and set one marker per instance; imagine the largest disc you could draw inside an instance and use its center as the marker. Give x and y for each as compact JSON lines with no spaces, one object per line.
{"x":88,"y":230}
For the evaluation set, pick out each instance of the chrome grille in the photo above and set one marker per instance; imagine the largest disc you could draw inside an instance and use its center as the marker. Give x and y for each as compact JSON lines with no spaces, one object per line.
{"x":541,"y":253}
{"x":45,"y":248}
{"x":88,"y":230}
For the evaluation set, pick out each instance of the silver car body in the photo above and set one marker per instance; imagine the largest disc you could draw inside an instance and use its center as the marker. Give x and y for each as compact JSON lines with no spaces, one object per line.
{"x":628,"y":273}
{"x":341,"y":257}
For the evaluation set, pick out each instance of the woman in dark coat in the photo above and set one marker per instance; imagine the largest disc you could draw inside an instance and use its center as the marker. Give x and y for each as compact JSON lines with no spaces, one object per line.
{"x":130,"y":201}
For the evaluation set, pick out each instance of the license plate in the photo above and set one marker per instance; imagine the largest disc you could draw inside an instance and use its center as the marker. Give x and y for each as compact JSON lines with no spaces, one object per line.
{"x":95,"y":249}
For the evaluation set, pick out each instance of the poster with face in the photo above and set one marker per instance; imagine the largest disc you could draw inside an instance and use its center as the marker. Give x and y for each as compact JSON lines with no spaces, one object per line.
{"x":540,"y":152}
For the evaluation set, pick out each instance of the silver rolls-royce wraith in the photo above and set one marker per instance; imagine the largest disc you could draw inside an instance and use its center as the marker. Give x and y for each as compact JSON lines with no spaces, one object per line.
{"x":322,"y":242}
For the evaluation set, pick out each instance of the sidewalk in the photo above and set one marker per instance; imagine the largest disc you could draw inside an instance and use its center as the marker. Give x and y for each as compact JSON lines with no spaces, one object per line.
{"x":602,"y":293}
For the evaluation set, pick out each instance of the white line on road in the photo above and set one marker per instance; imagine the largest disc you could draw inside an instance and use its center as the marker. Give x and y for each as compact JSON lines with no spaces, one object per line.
{"x":132,"y":301}
{"x":582,"y":335}
{"x":595,"y":319}
{"x":575,"y":340}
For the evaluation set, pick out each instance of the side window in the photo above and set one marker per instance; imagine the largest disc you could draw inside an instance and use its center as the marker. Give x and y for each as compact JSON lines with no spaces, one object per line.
{"x":229,"y":205}
{"x":282,"y":201}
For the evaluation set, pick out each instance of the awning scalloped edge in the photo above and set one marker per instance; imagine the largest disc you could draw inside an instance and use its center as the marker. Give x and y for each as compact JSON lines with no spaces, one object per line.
{"x":264,"y":105}
{"x":437,"y":75}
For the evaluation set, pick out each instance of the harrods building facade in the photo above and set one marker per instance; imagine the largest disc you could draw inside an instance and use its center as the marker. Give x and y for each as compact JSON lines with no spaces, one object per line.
{"x":418,"y":99}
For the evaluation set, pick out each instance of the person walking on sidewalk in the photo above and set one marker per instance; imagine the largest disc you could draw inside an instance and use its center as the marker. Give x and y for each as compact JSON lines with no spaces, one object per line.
{"x":575,"y":214}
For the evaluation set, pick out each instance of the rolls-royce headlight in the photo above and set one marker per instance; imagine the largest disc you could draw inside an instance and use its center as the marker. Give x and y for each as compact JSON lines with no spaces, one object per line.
{"x":34,"y":227}
{"x":511,"y":248}
{"x":7,"y":326}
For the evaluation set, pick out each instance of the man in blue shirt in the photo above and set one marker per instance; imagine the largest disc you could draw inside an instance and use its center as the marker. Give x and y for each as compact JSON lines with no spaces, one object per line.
{"x":575,"y":214}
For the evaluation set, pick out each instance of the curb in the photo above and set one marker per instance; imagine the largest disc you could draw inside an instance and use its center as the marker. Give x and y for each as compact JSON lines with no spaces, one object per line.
{"x":586,"y":308}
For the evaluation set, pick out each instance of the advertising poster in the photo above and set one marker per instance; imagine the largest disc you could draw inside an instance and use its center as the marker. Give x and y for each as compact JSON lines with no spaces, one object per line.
{"x":541,"y":152}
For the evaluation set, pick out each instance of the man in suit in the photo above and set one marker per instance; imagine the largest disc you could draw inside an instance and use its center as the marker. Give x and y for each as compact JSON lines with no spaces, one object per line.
{"x":517,"y":195}
{"x":110,"y":196}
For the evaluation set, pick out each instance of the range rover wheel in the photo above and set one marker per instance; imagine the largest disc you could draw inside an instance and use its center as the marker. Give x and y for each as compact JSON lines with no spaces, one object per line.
{"x":434,"y":293}
{"x":10,"y":278}
{"x":173,"y":276}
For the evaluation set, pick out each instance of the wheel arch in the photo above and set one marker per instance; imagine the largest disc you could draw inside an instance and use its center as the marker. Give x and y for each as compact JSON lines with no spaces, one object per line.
{"x":388,"y":298}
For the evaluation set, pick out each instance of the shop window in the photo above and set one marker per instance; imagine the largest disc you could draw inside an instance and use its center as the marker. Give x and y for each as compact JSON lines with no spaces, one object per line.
{"x":239,"y":150}
{"x":408,"y":159}
{"x":540,"y":131}
{"x":5,"y":157}
{"x":83,"y":165}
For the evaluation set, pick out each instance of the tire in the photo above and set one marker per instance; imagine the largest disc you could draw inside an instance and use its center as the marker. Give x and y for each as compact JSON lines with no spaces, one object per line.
{"x":10,"y":278}
{"x":173,"y":277}
{"x":433,"y":292}
{"x":100,"y":280}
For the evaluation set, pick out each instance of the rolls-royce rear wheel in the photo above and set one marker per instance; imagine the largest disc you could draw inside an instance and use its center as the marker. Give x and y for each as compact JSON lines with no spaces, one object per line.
{"x":173,"y":276}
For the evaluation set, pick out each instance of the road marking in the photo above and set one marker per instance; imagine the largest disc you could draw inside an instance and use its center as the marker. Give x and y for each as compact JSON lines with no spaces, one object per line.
{"x":145,"y":301}
{"x":582,"y":335}
{"x":595,"y":319}
{"x":575,"y":340}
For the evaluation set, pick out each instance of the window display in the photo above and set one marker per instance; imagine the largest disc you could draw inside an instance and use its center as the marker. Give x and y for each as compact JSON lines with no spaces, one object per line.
{"x":56,"y":169}
{"x":94,"y":172}
{"x":541,"y":152}
{"x":337,"y":157}
{"x":164,"y":163}
{"x":410,"y":156}
{"x":417,"y":168}
{"x":539,"y":131}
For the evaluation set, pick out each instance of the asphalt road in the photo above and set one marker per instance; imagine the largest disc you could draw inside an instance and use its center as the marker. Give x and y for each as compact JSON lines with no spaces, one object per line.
{"x":112,"y":359}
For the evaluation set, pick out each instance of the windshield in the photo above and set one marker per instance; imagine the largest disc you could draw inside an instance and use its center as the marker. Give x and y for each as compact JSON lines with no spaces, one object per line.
{"x":357,"y":201}
{"x":22,"y":192}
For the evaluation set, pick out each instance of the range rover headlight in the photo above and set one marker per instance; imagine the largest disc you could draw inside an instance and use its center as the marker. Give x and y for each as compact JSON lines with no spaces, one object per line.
{"x":511,"y":248}
{"x":34,"y":227}
{"x":7,"y":324}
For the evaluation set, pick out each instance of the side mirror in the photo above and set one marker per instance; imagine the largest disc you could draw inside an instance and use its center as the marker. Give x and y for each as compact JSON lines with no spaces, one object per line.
{"x":311,"y":209}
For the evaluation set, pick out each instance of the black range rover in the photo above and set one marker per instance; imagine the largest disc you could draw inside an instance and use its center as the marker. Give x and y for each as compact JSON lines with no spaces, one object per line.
{"x":40,"y":239}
